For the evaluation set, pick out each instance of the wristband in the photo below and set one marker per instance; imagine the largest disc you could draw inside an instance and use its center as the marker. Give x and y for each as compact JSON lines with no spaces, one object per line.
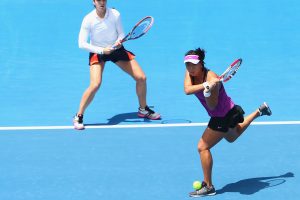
{"x":206,"y":85}
{"x":206,"y":93}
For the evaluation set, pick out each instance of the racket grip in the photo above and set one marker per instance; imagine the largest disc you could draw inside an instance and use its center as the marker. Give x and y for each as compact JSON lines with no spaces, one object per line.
{"x":114,"y":47}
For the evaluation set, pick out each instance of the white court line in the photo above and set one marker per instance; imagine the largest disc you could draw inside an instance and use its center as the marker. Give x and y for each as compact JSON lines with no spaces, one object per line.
{"x":21,"y":128}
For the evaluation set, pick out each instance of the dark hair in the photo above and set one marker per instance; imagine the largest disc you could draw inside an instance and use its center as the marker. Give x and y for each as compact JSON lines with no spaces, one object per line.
{"x":200,"y":52}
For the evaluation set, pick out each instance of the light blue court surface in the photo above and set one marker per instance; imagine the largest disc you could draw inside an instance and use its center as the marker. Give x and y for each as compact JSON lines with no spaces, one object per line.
{"x":43,"y":75}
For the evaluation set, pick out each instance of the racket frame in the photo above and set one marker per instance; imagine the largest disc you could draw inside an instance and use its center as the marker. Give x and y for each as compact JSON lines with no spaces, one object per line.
{"x":237,"y":63}
{"x":127,"y":37}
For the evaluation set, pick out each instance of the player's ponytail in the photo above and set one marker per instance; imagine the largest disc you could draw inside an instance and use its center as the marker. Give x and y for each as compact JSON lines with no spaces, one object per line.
{"x":201,"y":53}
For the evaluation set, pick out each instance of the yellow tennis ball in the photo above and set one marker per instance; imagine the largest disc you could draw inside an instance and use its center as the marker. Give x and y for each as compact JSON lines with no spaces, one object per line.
{"x":197,"y":185}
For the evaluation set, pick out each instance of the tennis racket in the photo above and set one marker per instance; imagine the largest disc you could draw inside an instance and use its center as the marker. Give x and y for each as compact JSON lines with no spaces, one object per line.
{"x":142,"y":27}
{"x":230,"y":71}
{"x":227,"y":74}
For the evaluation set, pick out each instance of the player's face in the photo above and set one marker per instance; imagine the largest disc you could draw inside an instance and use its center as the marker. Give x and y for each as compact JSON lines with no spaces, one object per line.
{"x":100,"y":5}
{"x":193,"y":69}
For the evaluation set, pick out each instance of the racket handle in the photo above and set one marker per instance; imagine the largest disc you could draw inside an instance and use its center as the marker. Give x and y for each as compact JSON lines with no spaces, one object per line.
{"x":114,"y":47}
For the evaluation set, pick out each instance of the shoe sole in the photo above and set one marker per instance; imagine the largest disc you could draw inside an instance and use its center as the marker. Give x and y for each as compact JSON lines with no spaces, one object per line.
{"x":145,"y":116}
{"x":203,"y":195}
{"x":78,"y":127}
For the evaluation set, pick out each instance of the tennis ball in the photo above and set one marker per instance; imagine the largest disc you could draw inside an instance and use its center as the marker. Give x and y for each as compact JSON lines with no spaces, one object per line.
{"x":197,"y":185}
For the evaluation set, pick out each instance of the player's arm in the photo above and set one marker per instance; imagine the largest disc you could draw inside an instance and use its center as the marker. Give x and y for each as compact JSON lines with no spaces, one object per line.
{"x":84,"y":38}
{"x":189,"y":88}
{"x":119,"y":29}
{"x":212,"y":95}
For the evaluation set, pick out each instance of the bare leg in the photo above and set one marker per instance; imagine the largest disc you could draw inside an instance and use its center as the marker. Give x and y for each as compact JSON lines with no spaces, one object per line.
{"x":208,"y":140}
{"x":247,"y":121}
{"x":136,"y":72}
{"x":95,"y":83}
{"x":236,"y":132}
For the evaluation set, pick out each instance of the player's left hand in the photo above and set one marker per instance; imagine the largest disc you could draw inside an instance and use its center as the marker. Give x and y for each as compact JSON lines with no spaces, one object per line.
{"x":213,"y":82}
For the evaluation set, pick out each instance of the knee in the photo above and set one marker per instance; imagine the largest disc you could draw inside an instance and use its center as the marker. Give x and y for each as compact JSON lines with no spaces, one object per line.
{"x":232,"y":136}
{"x":94,"y":87}
{"x":202,"y":147}
{"x":230,"y":139}
{"x":141,"y":79}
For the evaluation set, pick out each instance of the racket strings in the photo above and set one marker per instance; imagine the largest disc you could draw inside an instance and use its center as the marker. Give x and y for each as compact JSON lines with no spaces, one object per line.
{"x":141,"y":28}
{"x":230,"y":72}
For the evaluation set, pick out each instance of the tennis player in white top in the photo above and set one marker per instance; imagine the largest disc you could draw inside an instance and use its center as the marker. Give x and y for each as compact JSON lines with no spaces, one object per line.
{"x":102,"y":29}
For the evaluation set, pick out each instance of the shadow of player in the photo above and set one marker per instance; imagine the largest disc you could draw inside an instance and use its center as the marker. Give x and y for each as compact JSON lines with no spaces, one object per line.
{"x":253,"y":185}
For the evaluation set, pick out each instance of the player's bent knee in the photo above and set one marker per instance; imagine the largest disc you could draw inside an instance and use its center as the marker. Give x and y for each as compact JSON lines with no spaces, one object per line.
{"x":141,"y":79}
{"x":232,"y":136}
{"x":202,"y":147}
{"x":230,"y":140}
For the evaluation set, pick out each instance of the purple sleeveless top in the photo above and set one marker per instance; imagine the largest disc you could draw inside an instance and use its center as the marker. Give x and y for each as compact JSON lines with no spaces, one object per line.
{"x":224,"y":103}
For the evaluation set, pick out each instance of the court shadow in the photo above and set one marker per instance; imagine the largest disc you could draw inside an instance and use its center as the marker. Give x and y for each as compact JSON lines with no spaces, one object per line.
{"x":119,"y":118}
{"x":254,"y":185}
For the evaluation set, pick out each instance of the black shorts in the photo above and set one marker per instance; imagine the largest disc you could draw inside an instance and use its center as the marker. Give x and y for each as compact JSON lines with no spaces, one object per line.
{"x":120,"y":54}
{"x":231,"y":119}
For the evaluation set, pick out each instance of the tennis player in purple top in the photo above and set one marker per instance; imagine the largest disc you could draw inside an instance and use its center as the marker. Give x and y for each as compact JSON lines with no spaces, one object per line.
{"x":227,"y":119}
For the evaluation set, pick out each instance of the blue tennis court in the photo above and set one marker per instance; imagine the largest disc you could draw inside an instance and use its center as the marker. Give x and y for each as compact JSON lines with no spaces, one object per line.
{"x":120,"y":156}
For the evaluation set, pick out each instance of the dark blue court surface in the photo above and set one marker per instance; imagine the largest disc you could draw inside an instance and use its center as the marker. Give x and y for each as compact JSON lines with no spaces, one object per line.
{"x":43,"y":74}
